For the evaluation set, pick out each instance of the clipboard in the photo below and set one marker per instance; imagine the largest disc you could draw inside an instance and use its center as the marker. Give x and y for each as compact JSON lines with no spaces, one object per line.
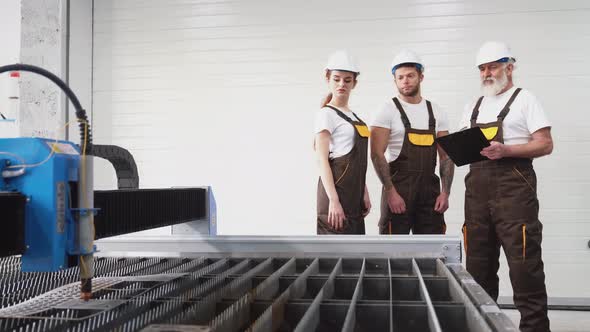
{"x":464,"y":147}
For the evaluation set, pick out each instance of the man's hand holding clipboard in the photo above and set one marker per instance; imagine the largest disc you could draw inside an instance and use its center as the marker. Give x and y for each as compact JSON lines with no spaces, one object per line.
{"x":464,"y":147}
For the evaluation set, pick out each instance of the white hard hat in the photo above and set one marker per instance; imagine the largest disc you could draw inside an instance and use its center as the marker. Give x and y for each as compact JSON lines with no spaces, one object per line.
{"x":493,"y":51}
{"x":406,"y":56}
{"x":342,"y":60}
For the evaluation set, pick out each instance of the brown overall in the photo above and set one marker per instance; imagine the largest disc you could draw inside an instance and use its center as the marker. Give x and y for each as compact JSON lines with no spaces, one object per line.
{"x":412,"y":174}
{"x":349,"y":172}
{"x":501,"y":209}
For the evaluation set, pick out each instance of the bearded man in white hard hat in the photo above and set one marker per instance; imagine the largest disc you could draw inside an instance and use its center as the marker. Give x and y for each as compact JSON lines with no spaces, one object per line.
{"x":501,"y":206}
{"x":404,"y":154}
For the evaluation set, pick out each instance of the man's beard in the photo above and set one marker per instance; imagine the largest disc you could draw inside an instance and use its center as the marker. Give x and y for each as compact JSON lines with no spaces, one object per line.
{"x":411,"y":93}
{"x":497,"y":85}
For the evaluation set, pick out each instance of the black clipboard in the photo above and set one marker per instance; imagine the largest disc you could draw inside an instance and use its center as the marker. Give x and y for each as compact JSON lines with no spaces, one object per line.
{"x":464,"y":147}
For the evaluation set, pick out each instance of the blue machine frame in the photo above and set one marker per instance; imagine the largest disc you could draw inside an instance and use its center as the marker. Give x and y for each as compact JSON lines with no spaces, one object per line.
{"x":49,"y":220}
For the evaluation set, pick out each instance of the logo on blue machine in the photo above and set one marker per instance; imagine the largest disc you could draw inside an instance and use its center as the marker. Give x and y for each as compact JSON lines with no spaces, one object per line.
{"x":61,"y":207}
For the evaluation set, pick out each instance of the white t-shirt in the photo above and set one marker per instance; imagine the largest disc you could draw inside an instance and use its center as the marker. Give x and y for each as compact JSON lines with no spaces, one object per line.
{"x":525,"y":117}
{"x":390,"y":118}
{"x":341,"y":131}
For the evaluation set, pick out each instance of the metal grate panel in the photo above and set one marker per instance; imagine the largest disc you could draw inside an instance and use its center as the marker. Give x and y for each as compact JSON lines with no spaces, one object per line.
{"x":251,"y":294}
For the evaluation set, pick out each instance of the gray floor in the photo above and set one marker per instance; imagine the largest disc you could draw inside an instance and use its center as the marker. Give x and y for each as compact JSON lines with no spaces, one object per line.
{"x":561,"y":321}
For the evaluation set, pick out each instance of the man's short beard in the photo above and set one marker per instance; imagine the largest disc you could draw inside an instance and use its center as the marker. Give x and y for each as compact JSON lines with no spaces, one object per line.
{"x":412,"y":93}
{"x":490,"y":90}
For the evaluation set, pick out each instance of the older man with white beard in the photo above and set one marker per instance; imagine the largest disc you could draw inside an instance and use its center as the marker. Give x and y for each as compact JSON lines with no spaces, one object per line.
{"x":501,"y":206}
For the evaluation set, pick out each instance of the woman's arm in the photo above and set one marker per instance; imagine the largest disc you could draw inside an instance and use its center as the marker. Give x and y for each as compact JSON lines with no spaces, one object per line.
{"x":336,"y":213}
{"x":367,"y":202}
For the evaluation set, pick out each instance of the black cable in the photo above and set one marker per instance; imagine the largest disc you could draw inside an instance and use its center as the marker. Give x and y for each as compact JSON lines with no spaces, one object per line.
{"x":80,"y":112}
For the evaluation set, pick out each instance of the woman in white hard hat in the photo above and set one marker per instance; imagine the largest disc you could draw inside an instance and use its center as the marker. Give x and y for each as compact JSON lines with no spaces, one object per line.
{"x":341,"y":144}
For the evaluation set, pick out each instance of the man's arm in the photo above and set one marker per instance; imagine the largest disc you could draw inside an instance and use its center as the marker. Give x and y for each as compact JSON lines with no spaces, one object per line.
{"x":379,"y":141}
{"x":541,"y":144}
{"x":447,"y":171}
{"x":446,"y":167}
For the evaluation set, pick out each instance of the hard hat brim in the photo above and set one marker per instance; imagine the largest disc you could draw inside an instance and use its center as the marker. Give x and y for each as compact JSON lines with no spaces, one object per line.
{"x":501,"y":60}
{"x":418,"y":66}
{"x":345,"y":70}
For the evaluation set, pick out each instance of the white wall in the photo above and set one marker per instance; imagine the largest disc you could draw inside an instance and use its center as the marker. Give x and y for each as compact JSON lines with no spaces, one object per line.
{"x":224,"y":94}
{"x":43,"y":44}
{"x":35,"y":33}
{"x":9,"y":54}
{"x":80,"y":79}
{"x":80,"y":60}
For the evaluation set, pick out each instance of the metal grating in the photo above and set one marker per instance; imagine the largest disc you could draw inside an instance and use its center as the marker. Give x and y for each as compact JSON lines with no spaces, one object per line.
{"x":251,"y":294}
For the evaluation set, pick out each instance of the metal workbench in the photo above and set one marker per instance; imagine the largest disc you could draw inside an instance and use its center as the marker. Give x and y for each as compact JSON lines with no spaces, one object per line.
{"x":234,"y":283}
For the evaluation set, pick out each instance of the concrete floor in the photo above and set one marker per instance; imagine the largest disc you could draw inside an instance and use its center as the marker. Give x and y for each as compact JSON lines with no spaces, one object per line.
{"x":561,"y":321}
